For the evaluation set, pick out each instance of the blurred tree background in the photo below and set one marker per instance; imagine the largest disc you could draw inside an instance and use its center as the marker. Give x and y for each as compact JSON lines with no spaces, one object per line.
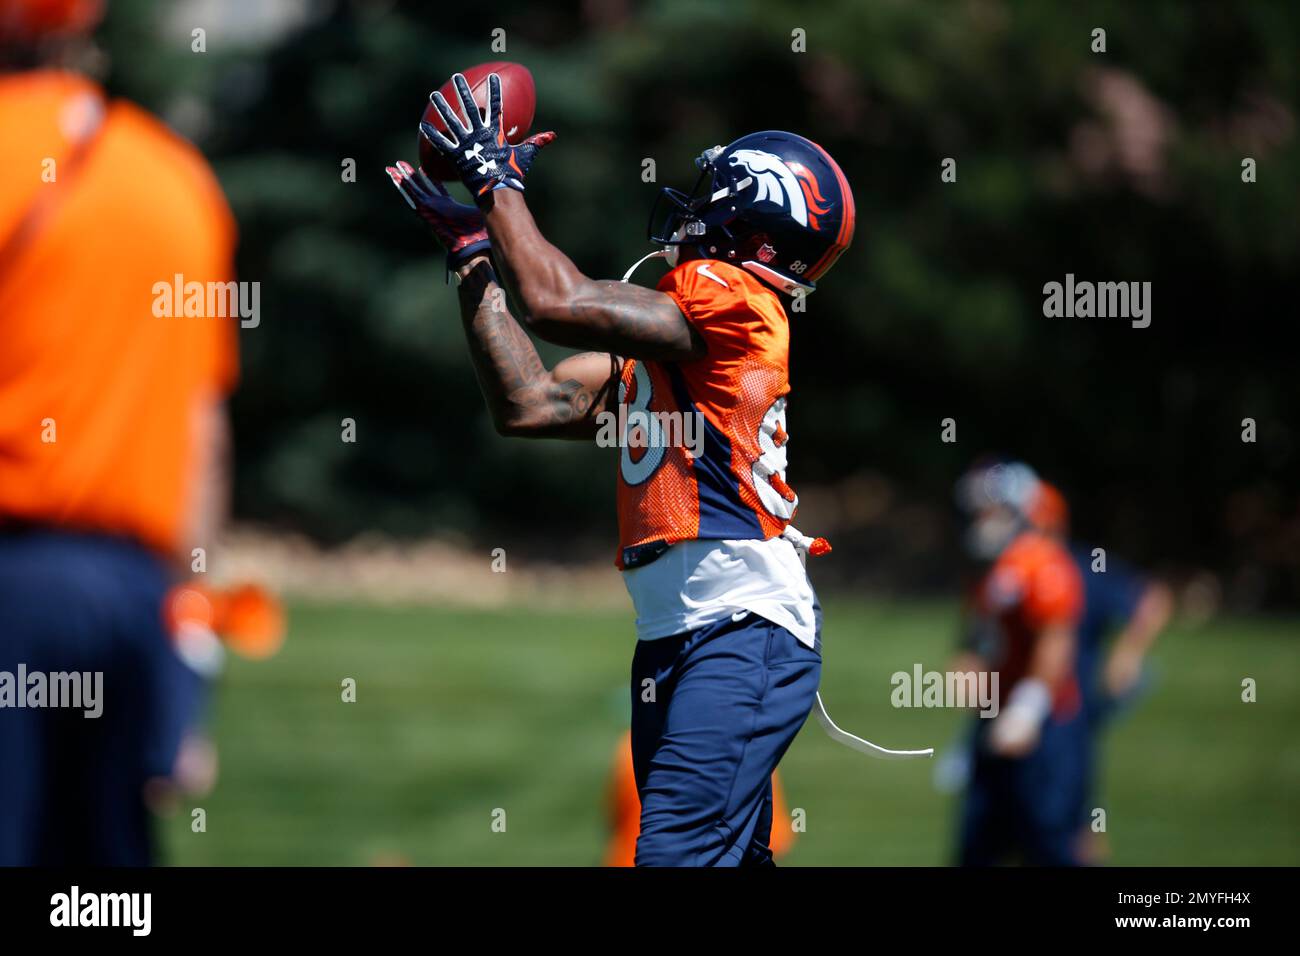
{"x":1117,"y":166}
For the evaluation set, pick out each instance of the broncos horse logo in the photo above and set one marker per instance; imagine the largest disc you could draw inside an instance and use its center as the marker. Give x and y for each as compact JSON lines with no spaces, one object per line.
{"x":787,"y":185}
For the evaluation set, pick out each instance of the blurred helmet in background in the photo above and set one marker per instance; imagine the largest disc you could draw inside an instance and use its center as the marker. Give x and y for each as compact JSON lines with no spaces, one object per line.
{"x":774,"y":203}
{"x":998,"y":497}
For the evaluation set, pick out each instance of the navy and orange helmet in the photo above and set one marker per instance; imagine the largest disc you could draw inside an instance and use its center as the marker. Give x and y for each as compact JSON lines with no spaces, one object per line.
{"x":774,"y":203}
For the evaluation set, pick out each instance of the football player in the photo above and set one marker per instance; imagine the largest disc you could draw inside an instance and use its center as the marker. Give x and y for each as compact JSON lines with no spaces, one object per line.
{"x":728,"y":653}
{"x":1021,"y":623}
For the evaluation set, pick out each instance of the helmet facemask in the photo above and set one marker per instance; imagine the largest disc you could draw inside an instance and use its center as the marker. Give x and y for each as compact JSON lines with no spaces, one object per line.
{"x":698,"y":217}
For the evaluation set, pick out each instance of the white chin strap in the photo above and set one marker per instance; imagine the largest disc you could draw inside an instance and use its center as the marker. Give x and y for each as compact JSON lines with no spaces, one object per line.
{"x":661,"y":254}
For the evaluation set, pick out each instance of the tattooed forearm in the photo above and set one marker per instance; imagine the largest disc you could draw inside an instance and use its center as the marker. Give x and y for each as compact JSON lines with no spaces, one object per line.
{"x":502,"y":353}
{"x":524,"y":397}
{"x":627,"y":319}
{"x":566,"y":307}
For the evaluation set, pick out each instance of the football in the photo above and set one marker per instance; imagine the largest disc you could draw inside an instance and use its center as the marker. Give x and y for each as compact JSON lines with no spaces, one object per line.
{"x":518,"y":102}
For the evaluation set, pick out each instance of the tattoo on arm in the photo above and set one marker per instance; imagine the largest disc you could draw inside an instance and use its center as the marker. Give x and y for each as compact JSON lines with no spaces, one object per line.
{"x":627,"y":320}
{"x":524,"y":397}
{"x":567,"y":308}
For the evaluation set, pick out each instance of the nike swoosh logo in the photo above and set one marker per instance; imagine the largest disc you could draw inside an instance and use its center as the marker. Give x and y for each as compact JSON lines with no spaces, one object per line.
{"x":740,"y":615}
{"x":704,"y":271}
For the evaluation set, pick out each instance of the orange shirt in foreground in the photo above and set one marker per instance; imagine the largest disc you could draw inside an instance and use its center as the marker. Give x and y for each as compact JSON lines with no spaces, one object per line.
{"x":83,"y":359}
{"x":625,"y":811}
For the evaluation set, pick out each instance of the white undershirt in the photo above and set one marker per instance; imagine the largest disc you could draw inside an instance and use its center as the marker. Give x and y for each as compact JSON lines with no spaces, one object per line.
{"x":699,"y":582}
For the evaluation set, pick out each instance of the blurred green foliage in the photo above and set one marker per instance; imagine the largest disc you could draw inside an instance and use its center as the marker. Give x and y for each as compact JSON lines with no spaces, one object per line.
{"x":1123,"y":165}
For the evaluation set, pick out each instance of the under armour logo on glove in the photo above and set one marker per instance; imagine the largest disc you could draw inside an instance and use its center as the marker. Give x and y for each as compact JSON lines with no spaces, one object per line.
{"x":477,"y":153}
{"x":479,"y":150}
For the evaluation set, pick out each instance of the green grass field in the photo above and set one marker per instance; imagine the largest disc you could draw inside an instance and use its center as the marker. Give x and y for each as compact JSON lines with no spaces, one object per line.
{"x":462,"y":712}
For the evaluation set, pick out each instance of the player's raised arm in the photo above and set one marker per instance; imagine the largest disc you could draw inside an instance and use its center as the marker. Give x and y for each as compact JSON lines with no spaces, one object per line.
{"x":524,"y":397}
{"x":566,"y":307}
{"x":561,"y":304}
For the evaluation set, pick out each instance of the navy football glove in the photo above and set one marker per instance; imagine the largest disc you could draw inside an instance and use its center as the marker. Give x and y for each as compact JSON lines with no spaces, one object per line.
{"x":480,"y":152}
{"x":458,"y":227}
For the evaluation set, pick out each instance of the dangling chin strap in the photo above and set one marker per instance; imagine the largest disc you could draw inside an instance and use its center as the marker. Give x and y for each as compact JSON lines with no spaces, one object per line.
{"x":658,"y":254}
{"x":806,"y":545}
{"x":860,"y":745}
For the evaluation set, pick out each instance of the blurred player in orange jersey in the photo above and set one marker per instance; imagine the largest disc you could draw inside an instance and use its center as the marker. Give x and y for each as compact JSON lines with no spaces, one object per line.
{"x":112,"y":438}
{"x":1021,"y":623}
{"x":625,"y":810}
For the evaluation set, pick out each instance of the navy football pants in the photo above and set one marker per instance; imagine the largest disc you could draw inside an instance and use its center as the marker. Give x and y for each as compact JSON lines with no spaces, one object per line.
{"x":71,"y":787}
{"x":728,"y":700}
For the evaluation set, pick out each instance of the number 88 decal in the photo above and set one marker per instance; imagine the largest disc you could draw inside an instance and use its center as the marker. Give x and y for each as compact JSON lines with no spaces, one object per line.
{"x":772,"y":439}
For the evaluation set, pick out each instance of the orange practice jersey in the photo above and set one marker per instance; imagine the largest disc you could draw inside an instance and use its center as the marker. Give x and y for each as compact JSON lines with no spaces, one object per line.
{"x":736,"y":487}
{"x":1034,"y":584}
{"x":98,"y":395}
{"x":625,"y":811}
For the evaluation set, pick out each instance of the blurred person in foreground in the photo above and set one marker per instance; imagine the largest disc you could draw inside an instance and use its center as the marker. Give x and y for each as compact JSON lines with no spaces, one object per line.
{"x":1123,"y":608}
{"x":1021,"y":621}
{"x":112,"y":445}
